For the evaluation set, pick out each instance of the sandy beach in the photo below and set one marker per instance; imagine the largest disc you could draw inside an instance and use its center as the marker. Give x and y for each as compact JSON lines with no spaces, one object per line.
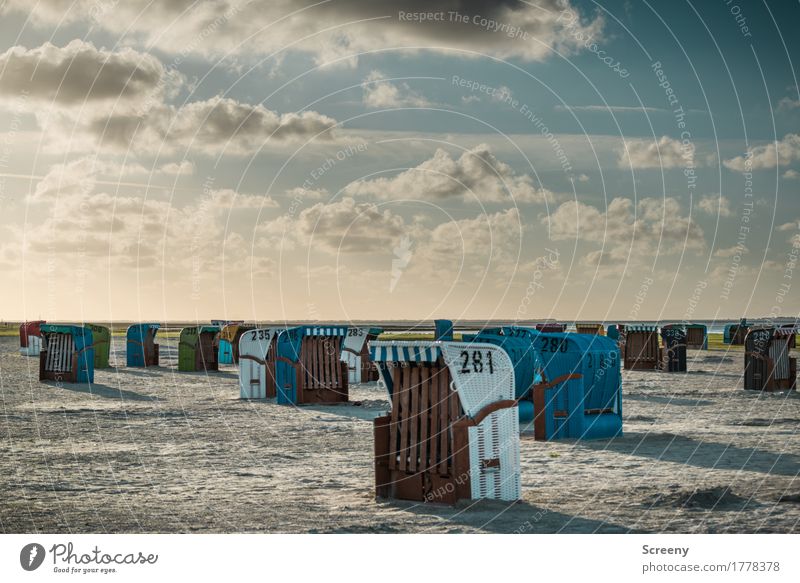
{"x":160,"y":451}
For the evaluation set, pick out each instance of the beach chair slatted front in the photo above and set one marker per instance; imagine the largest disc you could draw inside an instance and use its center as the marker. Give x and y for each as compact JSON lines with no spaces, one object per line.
{"x":67,"y":354}
{"x":198,"y":349}
{"x":141,"y":349}
{"x":641,"y":348}
{"x":30,"y":338}
{"x":257,"y":363}
{"x":309,"y":368}
{"x":767,"y":364}
{"x":674,"y":351}
{"x":453,"y":429}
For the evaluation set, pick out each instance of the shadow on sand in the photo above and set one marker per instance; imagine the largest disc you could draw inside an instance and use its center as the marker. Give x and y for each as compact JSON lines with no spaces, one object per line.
{"x":703,"y":454}
{"x":510,"y":518}
{"x":104,"y":391}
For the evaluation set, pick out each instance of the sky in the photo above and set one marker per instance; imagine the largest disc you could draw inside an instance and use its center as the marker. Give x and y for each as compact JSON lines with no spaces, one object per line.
{"x":344,"y":160}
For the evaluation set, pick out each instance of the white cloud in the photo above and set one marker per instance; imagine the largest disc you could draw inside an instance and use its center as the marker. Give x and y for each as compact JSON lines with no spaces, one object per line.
{"x":182,"y":168}
{"x":780,"y":153}
{"x":791,"y":174}
{"x":664,"y":153}
{"x":716,"y":205}
{"x":626,"y":231}
{"x":380,"y":93}
{"x":475,"y":175}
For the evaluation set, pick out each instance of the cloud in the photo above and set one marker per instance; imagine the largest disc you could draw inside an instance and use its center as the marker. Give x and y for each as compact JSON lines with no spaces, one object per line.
{"x":475,"y":175}
{"x":182,"y":168}
{"x":728,"y":252}
{"x":229,"y":199}
{"x":79,"y":74}
{"x":205,"y":126}
{"x":379,"y":93}
{"x":780,"y":153}
{"x":791,"y":174}
{"x":505,"y":28}
{"x":342,"y":226}
{"x":610,"y":108}
{"x":716,"y":205}
{"x":664,"y":153}
{"x":788,"y":104}
{"x":627,"y":231}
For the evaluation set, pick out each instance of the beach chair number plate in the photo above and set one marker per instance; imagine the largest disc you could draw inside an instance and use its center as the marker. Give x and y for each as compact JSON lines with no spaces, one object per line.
{"x":474,"y":361}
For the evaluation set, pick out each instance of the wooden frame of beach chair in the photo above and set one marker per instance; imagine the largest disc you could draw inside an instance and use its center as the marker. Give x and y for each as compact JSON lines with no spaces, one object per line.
{"x":309,"y":368}
{"x":257,"y":358}
{"x":141,"y":349}
{"x":767,"y":364}
{"x":67,"y":354}
{"x":641,"y":350}
{"x":453,"y":429}
{"x":673,"y":352}
{"x":30,"y":338}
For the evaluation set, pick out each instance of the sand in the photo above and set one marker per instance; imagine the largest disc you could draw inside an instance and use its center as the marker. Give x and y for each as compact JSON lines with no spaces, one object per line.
{"x":160,"y":451}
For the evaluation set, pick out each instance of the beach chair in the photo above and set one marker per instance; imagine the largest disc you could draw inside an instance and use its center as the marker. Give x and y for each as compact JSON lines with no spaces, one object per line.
{"x":641,"y":348}
{"x":30,"y":338}
{"x":673,"y":353}
{"x":792,"y":337}
{"x":697,"y":336}
{"x":576,"y":387}
{"x":453,"y":429}
{"x":141,"y":349}
{"x":257,"y":357}
{"x":355,"y":352}
{"x":735,"y":333}
{"x":101,"y":336}
{"x":767,"y":364}
{"x":229,"y":337}
{"x":309,"y":368}
{"x":589,"y":328}
{"x":198,"y":349}
{"x":67,"y":354}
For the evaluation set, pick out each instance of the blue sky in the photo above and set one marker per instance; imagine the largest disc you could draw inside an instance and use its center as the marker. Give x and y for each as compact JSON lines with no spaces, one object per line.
{"x":331,"y":161}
